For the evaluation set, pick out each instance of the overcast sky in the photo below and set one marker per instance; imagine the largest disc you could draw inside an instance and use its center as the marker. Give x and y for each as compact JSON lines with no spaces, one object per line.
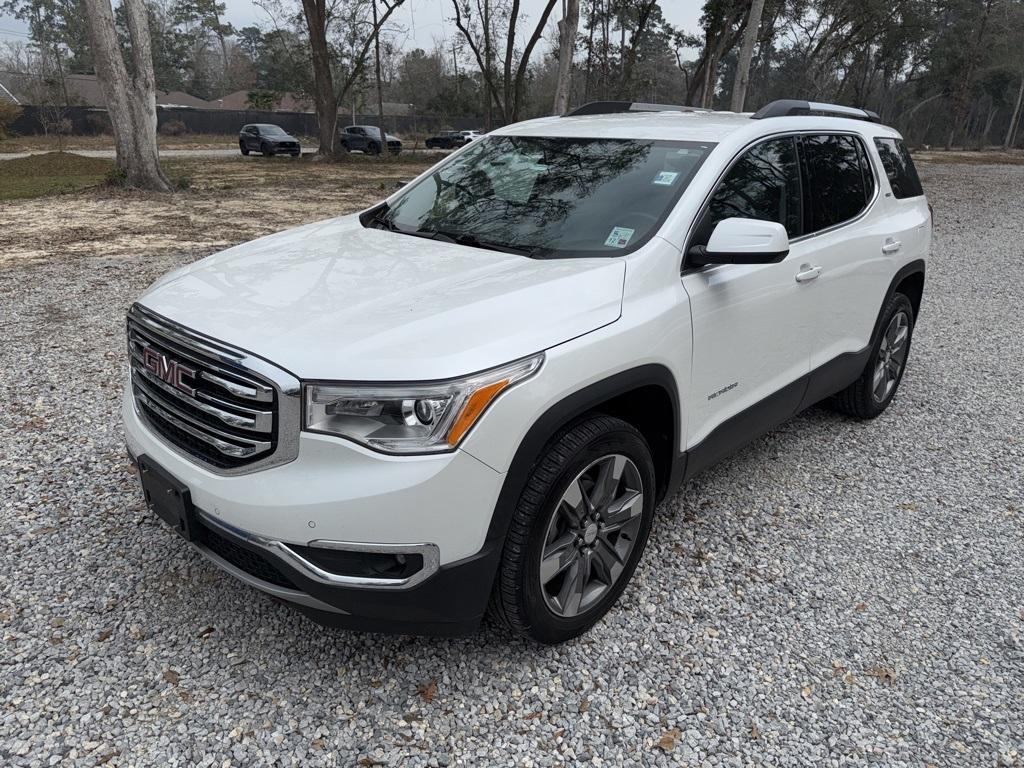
{"x":421,"y":21}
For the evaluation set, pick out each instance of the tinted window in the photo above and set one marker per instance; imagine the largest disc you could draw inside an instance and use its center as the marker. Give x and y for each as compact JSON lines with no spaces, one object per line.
{"x":837,"y":187}
{"x":899,"y":168}
{"x":550,"y":196}
{"x":763,"y":184}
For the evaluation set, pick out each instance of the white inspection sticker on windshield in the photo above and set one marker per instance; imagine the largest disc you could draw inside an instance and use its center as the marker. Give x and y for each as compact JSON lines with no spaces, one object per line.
{"x":619,"y":238}
{"x":666,"y":178}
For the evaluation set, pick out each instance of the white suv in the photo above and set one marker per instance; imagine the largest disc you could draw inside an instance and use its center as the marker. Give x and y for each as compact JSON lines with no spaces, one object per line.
{"x":475,"y":393}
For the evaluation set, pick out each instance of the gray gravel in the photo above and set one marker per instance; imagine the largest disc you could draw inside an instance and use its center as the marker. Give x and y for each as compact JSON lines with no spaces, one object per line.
{"x":837,"y":594}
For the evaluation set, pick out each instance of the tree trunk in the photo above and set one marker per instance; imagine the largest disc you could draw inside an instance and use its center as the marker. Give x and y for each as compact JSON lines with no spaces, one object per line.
{"x":131,"y":99}
{"x":324,"y":96}
{"x":380,"y":92}
{"x":961,"y":93}
{"x":742,"y":80}
{"x":567,"y":29}
{"x":1015,"y":118}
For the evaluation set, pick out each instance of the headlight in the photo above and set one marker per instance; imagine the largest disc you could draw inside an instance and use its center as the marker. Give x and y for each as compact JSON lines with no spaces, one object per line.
{"x":412,"y":418}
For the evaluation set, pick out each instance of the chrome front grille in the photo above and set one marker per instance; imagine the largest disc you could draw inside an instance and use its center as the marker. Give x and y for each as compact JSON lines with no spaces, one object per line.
{"x":220,"y":406}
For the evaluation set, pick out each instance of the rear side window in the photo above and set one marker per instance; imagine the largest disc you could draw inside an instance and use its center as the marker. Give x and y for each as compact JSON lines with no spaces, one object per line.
{"x":763,"y":184}
{"x":839,"y":178}
{"x":899,"y":168}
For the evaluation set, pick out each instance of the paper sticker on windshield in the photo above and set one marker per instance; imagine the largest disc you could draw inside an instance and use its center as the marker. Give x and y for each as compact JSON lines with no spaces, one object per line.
{"x":619,"y":238}
{"x":666,"y":178}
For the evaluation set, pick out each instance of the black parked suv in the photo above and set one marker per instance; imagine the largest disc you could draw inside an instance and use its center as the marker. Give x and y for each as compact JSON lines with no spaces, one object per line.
{"x":446,"y":140}
{"x":366,"y":138}
{"x":269,"y":139}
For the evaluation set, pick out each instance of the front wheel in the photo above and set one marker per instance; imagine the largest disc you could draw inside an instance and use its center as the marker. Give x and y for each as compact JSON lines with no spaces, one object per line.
{"x":578,"y":531}
{"x":373,"y":148}
{"x":266,"y":150}
{"x":245,"y":149}
{"x":871,"y":394}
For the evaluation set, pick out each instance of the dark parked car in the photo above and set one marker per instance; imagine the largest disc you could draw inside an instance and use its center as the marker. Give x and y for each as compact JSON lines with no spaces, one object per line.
{"x":446,"y":140}
{"x":268,"y":139}
{"x":366,"y":138}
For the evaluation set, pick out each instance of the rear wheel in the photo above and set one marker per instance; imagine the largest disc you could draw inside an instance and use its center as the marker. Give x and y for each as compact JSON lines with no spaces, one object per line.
{"x":871,"y":394}
{"x":578,"y":532}
{"x":245,"y":149}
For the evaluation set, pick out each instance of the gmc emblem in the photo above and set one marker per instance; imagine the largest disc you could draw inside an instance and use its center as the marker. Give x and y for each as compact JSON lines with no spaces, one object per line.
{"x":168,"y":370}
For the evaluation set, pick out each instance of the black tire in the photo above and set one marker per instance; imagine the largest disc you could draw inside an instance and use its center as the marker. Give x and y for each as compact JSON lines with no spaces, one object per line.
{"x":266,"y":149}
{"x":519,"y":601}
{"x":245,"y":149}
{"x":865,"y":398}
{"x":373,"y":148}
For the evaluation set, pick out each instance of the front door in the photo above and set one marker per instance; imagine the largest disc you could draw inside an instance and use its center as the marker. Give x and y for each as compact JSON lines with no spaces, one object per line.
{"x":750,"y":322}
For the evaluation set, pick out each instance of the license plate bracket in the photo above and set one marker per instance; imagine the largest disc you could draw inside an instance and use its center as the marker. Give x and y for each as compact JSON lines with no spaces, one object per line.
{"x":167,"y":497}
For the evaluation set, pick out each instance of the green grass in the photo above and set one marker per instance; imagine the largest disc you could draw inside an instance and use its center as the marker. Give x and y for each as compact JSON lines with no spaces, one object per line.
{"x":50,"y":174}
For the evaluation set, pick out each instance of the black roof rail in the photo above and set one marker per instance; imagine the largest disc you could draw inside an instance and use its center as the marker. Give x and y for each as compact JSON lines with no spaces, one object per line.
{"x":617,"y":107}
{"x":788,"y":107}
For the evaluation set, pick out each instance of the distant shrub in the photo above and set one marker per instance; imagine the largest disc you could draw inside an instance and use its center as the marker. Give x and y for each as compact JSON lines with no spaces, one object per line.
{"x":262,"y":98}
{"x":173,"y":128}
{"x":8,"y":114}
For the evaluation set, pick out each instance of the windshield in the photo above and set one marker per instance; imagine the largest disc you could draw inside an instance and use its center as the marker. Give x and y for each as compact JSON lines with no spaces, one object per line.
{"x":272,"y":130}
{"x":550,"y":197}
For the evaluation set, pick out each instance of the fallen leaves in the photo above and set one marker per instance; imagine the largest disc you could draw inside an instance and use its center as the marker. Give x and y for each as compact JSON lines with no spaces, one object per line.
{"x":668,"y":739}
{"x":584,"y":705}
{"x":885,"y":674}
{"x":171,"y":676}
{"x":427,"y":691}
{"x":104,"y":635}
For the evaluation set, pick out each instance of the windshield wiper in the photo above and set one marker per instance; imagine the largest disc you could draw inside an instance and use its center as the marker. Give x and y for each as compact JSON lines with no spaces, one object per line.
{"x":473,"y":241}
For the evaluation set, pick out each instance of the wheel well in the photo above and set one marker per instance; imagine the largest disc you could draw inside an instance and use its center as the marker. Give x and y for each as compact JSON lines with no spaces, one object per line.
{"x":650,"y":410}
{"x":912,"y":286}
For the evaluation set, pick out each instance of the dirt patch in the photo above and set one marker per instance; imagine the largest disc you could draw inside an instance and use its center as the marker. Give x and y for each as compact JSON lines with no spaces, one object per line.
{"x":967,"y":157}
{"x":231,"y":200}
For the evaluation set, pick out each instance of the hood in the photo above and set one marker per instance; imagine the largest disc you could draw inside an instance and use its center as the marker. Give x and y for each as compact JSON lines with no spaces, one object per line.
{"x":335,"y":300}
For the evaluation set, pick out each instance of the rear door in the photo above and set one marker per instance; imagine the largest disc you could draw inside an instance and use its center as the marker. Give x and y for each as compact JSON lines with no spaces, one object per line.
{"x":750,"y":322}
{"x":910,"y":218}
{"x":848,"y":243}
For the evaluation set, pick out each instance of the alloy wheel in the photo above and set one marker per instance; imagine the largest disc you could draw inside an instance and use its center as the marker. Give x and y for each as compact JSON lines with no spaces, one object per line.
{"x":892,"y":355}
{"x":591,"y":534}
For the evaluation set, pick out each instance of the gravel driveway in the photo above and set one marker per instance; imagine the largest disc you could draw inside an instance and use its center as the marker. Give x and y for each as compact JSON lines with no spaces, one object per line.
{"x":839,"y":593}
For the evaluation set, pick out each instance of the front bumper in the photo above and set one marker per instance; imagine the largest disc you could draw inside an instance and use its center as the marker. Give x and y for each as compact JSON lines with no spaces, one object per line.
{"x":336,"y":493}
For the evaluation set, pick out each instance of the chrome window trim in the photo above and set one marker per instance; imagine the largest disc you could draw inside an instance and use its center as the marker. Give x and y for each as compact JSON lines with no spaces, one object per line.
{"x":802,"y":238}
{"x":228,"y":359}
{"x":430,"y":553}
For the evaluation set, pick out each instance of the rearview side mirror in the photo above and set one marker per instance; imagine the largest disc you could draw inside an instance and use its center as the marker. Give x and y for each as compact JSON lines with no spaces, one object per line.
{"x":742,"y":241}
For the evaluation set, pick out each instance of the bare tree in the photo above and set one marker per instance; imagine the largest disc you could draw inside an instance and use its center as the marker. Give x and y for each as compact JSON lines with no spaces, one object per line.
{"x":742,"y":79}
{"x":507,"y":91}
{"x":131,"y":98}
{"x":567,"y":29}
{"x":380,"y":90}
{"x":319,"y":14}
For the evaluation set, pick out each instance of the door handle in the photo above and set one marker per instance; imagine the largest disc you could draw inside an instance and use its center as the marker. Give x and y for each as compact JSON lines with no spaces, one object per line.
{"x":807,"y":273}
{"x":891,"y":246}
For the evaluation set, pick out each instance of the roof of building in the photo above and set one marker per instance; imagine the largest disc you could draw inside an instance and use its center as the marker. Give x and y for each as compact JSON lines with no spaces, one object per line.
{"x":180,"y":99}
